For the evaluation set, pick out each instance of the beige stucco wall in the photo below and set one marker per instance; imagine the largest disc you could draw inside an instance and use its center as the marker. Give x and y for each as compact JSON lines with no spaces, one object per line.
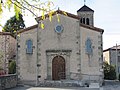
{"x":50,"y":40}
{"x":106,"y":56}
{"x":27,"y":62}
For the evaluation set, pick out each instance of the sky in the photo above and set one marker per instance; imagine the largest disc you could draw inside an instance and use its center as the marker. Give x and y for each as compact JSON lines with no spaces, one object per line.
{"x":106,"y":16}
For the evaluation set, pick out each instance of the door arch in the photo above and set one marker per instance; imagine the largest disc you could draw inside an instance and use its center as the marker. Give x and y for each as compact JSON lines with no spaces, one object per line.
{"x":58,"y":68}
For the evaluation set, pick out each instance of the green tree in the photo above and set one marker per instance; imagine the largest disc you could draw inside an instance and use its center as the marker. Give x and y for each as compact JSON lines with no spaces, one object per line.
{"x":109,"y":71}
{"x":33,"y":6}
{"x":12,"y":67}
{"x":13,"y":24}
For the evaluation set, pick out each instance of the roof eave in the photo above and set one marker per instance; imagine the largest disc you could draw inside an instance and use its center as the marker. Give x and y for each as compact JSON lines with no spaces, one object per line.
{"x":92,"y":27}
{"x":59,"y":12}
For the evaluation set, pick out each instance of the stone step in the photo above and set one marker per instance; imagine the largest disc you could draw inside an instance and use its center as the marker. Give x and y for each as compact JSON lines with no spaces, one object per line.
{"x":94,"y":85}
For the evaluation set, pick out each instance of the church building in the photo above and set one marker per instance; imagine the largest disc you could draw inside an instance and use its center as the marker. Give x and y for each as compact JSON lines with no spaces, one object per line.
{"x":70,"y":50}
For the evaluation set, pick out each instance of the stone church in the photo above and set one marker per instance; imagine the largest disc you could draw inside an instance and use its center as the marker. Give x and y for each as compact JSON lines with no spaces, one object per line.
{"x":68,"y":51}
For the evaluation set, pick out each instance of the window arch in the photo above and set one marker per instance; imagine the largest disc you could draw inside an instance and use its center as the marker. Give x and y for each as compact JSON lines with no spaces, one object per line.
{"x":83,"y":20}
{"x":87,"y":21}
{"x":29,"y":44}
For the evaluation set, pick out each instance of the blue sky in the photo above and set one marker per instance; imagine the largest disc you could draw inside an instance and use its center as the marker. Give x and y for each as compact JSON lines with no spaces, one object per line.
{"x":106,"y":16}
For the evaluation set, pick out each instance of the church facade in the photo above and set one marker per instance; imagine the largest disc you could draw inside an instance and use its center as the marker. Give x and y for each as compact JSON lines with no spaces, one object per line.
{"x":69,"y":50}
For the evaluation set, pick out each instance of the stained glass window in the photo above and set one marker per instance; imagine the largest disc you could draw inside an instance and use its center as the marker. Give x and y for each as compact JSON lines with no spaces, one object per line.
{"x":88,"y":45}
{"x":29,"y":49}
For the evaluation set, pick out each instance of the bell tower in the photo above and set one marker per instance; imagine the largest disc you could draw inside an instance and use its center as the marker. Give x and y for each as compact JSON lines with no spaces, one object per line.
{"x":86,"y":15}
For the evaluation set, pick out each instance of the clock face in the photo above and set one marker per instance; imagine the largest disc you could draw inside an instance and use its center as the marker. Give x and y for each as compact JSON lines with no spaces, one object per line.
{"x":59,"y":28}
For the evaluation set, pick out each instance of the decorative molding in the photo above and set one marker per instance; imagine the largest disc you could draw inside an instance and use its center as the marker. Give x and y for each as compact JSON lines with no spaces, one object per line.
{"x":56,"y":51}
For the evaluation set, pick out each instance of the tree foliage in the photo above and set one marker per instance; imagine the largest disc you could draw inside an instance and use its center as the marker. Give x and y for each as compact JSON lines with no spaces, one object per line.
{"x":109,"y":71}
{"x":13,"y":24}
{"x":36,"y":7}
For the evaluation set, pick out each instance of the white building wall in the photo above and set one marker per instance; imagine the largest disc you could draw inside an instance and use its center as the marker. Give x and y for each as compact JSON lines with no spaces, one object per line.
{"x":90,"y":68}
{"x":106,"y":56}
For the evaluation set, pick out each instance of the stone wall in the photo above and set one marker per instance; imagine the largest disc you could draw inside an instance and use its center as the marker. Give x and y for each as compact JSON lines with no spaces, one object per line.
{"x":7,"y":50}
{"x":8,"y":81}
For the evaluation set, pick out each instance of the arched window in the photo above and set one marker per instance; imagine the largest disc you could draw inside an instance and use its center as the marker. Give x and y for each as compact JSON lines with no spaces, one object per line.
{"x":88,"y":47}
{"x":87,"y":21}
{"x":83,"y":20}
{"x":29,"y":44}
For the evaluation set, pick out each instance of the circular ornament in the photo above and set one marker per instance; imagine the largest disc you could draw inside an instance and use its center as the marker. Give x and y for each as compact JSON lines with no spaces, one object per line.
{"x":59,"y":28}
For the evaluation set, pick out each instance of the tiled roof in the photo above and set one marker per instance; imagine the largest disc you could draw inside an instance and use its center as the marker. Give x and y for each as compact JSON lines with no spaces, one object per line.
{"x":92,"y":28}
{"x":60,"y":12}
{"x":68,"y":15}
{"x":5,"y":33}
{"x":112,"y":48}
{"x":28,"y":28}
{"x":85,"y":8}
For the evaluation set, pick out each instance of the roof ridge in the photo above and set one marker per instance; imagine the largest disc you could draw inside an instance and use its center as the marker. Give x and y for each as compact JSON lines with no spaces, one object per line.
{"x":85,"y":8}
{"x":59,"y":12}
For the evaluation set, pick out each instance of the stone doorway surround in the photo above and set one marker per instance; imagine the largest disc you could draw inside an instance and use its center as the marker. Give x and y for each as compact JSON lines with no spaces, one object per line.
{"x":50,"y":54}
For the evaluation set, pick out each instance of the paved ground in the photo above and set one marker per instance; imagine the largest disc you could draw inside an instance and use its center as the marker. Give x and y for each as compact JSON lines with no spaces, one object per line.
{"x":109,"y":85}
{"x":112,"y":85}
{"x":43,"y":88}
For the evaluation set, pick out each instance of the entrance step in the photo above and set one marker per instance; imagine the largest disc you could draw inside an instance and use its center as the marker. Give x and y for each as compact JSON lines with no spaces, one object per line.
{"x":63,"y":83}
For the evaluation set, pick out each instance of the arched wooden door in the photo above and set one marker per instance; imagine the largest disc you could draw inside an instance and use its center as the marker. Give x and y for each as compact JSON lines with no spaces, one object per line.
{"x":58,"y":68}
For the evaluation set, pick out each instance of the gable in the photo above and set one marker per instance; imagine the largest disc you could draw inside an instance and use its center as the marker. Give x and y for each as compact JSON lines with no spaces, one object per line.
{"x":59,"y":12}
{"x":65,"y":14}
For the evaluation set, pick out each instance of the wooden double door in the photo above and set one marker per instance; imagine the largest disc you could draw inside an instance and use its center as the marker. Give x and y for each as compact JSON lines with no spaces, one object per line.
{"x":58,"y":68}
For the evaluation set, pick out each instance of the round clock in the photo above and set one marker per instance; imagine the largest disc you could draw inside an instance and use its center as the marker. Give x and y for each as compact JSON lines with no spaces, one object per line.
{"x":59,"y":28}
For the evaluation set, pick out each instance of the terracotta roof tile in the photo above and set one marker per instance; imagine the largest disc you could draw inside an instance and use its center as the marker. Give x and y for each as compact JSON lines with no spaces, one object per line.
{"x":59,"y":12}
{"x":28,"y":28}
{"x":5,"y":33}
{"x":92,"y":27}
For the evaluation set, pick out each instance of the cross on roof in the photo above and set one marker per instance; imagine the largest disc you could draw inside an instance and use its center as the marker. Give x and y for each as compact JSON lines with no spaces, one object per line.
{"x":84,"y":2}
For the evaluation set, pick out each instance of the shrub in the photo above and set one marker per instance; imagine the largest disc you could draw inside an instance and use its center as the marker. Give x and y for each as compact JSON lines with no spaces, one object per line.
{"x":109,"y":71}
{"x":12,"y":67}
